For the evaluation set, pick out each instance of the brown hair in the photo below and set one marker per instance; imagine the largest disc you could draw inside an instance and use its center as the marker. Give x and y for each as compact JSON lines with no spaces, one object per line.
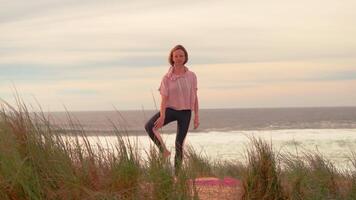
{"x":170,"y":58}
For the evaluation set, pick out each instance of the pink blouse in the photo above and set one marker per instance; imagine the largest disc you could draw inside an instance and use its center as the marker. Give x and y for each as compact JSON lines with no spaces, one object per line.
{"x":180,"y":89}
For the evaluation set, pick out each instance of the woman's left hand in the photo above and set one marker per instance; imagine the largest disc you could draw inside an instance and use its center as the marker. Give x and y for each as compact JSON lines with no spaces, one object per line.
{"x":196,"y":121}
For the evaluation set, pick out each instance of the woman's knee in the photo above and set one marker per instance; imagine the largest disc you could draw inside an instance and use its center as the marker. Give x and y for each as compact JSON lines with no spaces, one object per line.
{"x":148,"y":127}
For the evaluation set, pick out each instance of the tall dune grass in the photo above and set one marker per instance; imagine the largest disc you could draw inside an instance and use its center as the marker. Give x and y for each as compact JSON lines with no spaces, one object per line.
{"x":36,"y":162}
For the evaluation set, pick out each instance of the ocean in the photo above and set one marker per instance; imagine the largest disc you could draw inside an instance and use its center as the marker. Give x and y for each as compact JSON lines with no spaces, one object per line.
{"x":224,"y":133}
{"x":221,"y":120}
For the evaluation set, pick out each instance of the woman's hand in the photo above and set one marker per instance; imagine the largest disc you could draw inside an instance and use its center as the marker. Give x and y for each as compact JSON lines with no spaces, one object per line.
{"x":196,"y":121}
{"x":159,"y":122}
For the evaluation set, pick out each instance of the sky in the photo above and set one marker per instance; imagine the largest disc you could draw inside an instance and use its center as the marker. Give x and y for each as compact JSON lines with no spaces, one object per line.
{"x":104,"y":55}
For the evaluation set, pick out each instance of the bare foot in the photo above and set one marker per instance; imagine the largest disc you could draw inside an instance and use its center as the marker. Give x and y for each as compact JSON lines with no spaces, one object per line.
{"x":166,"y":154}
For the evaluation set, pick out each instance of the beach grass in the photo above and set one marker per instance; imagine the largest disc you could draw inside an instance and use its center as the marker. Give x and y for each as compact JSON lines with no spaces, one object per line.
{"x":38,"y":163}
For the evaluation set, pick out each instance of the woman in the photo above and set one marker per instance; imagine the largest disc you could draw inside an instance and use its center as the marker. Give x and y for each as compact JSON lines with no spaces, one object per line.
{"x":179,"y":98}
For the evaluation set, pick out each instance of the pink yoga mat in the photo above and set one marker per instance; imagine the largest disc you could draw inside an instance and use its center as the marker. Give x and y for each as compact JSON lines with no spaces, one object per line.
{"x":212,"y":181}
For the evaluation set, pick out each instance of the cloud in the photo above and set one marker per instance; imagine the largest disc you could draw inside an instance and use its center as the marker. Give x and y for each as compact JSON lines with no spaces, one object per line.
{"x":226,"y":32}
{"x":116,"y":51}
{"x":80,"y":92}
{"x":288,"y":94}
{"x":220,"y":85}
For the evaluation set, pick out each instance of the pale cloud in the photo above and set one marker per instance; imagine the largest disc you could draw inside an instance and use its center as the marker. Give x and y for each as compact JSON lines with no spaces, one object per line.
{"x":290,"y":94}
{"x":227,"y":31}
{"x":93,"y":54}
{"x":223,"y":85}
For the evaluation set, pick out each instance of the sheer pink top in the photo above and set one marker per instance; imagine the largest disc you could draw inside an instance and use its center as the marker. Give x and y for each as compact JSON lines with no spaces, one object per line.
{"x":181,"y":90}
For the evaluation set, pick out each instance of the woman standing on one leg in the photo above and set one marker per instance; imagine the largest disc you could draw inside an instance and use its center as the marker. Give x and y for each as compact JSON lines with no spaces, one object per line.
{"x":178,"y":91}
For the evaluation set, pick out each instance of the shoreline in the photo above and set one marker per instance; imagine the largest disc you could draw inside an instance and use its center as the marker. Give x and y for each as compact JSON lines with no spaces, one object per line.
{"x":132,"y":133}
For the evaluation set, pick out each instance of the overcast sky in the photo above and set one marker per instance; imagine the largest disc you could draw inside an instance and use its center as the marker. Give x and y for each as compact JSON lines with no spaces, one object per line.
{"x":96,"y":55}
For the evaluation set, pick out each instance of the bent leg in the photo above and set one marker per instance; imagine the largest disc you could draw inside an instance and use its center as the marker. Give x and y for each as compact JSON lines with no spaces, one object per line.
{"x":154,"y":135}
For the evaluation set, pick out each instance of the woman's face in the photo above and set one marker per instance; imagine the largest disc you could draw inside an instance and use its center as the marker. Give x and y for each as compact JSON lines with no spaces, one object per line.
{"x":178,"y":57}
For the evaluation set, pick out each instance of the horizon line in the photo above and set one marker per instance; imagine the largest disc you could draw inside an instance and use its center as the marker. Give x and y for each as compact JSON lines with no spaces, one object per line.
{"x":213,"y":108}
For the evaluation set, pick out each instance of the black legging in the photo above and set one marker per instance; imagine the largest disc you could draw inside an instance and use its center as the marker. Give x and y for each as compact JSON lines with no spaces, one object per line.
{"x":183,"y":120}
